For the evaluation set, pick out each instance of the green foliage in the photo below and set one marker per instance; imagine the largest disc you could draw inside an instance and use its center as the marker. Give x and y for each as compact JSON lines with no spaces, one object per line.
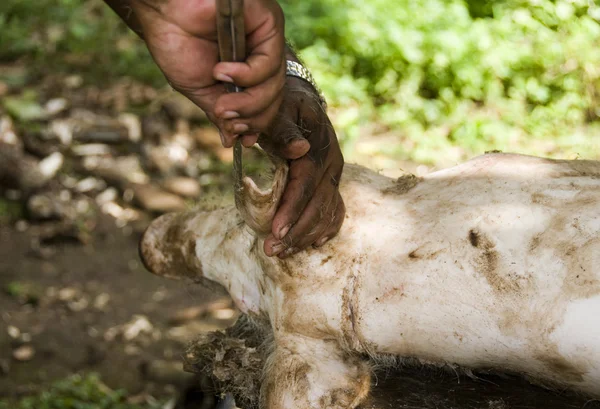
{"x":25,"y":292}
{"x":477,"y":74}
{"x":67,"y":34}
{"x":75,"y":392}
{"x":473,"y":74}
{"x":9,"y":211}
{"x":24,"y":107}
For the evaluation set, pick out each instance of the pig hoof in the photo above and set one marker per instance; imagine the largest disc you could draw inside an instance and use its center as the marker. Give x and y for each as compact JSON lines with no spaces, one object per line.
{"x":314,"y":374}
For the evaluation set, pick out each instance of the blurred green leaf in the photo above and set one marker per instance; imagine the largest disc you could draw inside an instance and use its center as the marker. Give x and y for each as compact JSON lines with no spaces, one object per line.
{"x":24,"y":107}
{"x":77,"y":392}
{"x":526,"y":69}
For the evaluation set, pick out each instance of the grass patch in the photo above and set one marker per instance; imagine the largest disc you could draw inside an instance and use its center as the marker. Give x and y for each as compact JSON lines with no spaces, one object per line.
{"x":10,"y":211}
{"x":77,"y":392}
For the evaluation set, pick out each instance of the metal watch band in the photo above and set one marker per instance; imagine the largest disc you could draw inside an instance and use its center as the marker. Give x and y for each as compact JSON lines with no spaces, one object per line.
{"x":296,"y":69}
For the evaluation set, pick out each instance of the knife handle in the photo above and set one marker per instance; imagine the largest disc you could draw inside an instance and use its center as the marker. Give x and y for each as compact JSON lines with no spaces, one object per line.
{"x":231,"y":34}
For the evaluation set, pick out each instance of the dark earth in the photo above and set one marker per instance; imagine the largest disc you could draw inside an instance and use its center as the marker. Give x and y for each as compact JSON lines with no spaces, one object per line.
{"x":68,"y":303}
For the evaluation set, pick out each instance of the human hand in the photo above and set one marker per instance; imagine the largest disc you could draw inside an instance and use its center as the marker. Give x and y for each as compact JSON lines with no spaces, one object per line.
{"x":311,"y":210}
{"x":181,"y":34}
{"x":182,"y":38}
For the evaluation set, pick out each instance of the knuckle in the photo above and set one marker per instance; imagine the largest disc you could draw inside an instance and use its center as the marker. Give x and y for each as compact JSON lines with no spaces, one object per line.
{"x":241,"y":74}
{"x":219,"y":110}
{"x":203,"y":7}
{"x":181,"y":87}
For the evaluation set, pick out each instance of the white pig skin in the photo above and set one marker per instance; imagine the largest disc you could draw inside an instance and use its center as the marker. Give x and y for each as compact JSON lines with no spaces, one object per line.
{"x":491,"y":264}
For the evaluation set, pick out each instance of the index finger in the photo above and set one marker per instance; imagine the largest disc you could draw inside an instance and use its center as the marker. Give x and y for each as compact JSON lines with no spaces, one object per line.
{"x":258,"y":67}
{"x":265,"y":41}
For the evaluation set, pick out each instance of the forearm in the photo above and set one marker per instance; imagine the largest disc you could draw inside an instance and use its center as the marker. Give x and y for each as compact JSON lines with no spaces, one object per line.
{"x":290,"y":53}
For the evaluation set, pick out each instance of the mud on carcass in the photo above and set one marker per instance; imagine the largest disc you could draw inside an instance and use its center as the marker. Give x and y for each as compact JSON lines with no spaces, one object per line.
{"x":233,"y":361}
{"x":490,"y":265}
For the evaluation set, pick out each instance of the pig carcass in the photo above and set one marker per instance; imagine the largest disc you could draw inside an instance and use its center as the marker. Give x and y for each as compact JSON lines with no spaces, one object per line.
{"x":492,"y":264}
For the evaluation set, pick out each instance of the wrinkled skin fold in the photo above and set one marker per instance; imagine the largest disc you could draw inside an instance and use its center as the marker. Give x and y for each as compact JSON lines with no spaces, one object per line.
{"x":491,"y":264}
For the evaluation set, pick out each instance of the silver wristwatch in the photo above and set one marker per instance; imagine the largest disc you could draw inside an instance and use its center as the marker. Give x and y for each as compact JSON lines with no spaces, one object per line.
{"x":297,"y":70}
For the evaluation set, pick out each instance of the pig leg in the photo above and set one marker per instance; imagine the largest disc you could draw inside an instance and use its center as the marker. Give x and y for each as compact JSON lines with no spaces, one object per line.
{"x":306,"y":373}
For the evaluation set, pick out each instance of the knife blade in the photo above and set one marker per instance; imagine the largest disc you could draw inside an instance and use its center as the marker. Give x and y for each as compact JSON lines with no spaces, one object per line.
{"x":231,"y":37}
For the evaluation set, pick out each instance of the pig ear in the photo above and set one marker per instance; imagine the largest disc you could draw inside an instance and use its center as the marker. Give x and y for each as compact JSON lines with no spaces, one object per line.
{"x":257,"y":206}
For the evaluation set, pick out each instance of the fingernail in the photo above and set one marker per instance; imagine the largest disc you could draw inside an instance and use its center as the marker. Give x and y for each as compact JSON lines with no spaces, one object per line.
{"x":321,"y":241}
{"x":283,"y":231}
{"x":240,"y":128}
{"x":249,"y":140}
{"x":230,"y":115}
{"x":277,"y":248}
{"x":223,"y":77}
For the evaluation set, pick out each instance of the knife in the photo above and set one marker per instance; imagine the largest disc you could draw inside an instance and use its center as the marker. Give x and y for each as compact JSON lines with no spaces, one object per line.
{"x":231,"y":37}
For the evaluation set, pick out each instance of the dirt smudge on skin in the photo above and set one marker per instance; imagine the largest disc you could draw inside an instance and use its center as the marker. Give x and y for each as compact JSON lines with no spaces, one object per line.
{"x":180,"y":243}
{"x":423,"y":253}
{"x":285,"y":267}
{"x":474,"y":238}
{"x":287,"y":367}
{"x":326,"y":259}
{"x":286,"y":270}
{"x":580,"y":256}
{"x":510,"y":322}
{"x":302,"y":313}
{"x":582,"y":280}
{"x":535,"y":242}
{"x":487,"y":263}
{"x":397,"y":291}
{"x":173,"y":254}
{"x":587,"y":168}
{"x":558,"y":364}
{"x":348,"y":322}
{"x":351,"y":317}
{"x":355,"y":174}
{"x":402,"y":185}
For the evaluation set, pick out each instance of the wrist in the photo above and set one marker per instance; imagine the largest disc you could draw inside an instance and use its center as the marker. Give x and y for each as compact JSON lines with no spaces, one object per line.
{"x":290,"y":54}
{"x":295,"y":68}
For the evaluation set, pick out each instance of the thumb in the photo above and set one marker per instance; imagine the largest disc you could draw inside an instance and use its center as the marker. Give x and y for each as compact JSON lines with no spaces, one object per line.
{"x":285,"y":138}
{"x":287,"y":142}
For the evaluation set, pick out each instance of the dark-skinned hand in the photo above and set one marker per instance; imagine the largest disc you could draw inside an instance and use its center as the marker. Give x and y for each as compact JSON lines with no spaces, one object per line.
{"x":181,"y":35}
{"x":311,"y":210}
{"x":182,"y":38}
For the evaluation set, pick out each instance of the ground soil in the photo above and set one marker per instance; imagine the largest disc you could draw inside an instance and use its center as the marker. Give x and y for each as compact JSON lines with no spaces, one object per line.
{"x":68,"y":336}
